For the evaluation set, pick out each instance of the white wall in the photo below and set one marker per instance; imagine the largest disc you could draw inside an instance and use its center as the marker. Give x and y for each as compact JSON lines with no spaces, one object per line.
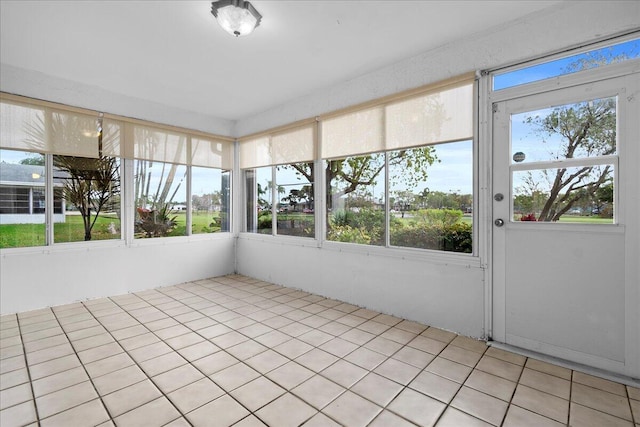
{"x":442,"y":293}
{"x":33,"y":278}
{"x":572,"y":24}
{"x":448,"y":295}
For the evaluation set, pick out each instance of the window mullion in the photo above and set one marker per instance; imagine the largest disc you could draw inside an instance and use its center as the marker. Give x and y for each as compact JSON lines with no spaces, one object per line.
{"x":49,"y":195}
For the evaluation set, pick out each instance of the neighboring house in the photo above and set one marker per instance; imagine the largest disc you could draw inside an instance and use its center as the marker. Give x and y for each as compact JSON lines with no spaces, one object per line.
{"x":22,"y":195}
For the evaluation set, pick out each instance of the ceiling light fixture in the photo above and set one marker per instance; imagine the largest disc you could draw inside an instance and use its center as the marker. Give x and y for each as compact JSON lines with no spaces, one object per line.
{"x":236,"y":17}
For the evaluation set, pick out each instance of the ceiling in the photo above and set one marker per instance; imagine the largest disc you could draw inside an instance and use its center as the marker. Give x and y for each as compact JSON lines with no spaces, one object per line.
{"x":175,"y":54}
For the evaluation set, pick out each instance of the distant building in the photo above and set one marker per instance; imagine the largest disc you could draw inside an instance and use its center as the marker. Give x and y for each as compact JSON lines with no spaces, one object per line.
{"x":22,"y":195}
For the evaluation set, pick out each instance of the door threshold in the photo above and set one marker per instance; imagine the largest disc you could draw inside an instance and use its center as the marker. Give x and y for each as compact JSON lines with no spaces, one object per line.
{"x":611,"y":376}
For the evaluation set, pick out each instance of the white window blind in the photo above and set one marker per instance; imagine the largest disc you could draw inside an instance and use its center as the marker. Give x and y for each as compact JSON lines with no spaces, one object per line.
{"x":46,"y":130}
{"x":290,"y":146}
{"x":155,"y":144}
{"x":443,"y":116}
{"x":431,"y":116}
{"x":211,"y":153}
{"x":357,"y":132}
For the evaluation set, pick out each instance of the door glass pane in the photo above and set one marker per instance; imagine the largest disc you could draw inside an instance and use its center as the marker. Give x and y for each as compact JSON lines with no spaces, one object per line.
{"x":573,"y":194}
{"x":578,"y":130}
{"x":209,"y":200}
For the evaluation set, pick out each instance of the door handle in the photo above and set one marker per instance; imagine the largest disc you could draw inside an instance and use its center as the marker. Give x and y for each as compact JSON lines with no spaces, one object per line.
{"x":499,"y":222}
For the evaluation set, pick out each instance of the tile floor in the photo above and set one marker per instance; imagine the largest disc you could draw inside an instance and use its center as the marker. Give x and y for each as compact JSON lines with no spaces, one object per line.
{"x":234,"y":351}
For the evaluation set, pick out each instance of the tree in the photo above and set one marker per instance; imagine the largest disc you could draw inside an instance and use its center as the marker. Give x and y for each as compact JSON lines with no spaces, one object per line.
{"x":348,"y":175}
{"x":89,"y":182}
{"x":587,"y":129}
{"x":33,"y":160}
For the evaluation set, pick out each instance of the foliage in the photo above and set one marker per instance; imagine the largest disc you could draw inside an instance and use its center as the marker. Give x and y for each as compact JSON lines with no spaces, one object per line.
{"x":443,"y":217}
{"x":33,"y":160}
{"x":348,"y":234}
{"x":528,"y":217}
{"x":155,"y":223}
{"x":445,"y":237}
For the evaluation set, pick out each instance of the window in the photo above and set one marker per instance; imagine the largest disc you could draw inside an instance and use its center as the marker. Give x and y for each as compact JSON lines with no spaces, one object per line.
{"x":401,"y":173}
{"x":564,"y":161}
{"x":181,"y":179}
{"x":279,"y":186}
{"x":568,"y":65}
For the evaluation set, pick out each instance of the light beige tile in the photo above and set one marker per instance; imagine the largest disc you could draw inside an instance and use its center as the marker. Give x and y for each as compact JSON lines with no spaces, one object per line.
{"x":108,"y":365}
{"x":587,"y":417}
{"x":546,"y":382}
{"x":215,"y":362}
{"x":448,"y":369}
{"x":59,"y":381}
{"x":184,"y":340}
{"x":67,"y":398}
{"x":365,"y":358}
{"x":430,"y":345}
{"x":131,"y":397}
{"x":118,"y":379}
{"x":296,"y":329}
{"x":18,"y":415}
{"x":414,"y":357}
{"x":12,"y":364}
{"x":453,"y":417}
{"x":176,"y":378}
{"x":53,"y":366}
{"x":15,"y":395}
{"x":198,"y":351}
{"x":541,"y":403}
{"x":387,"y":419}
{"x":13,"y":378}
{"x":315,"y":337}
{"x":507,"y":356}
{"x":45,"y":343}
{"x":548,"y":368}
{"x":100,"y":352}
{"x":290,"y":375}
{"x":90,"y":342}
{"x":344,"y":373}
{"x":157,"y":412}
{"x":286,"y":411}
{"x":257,"y":393}
{"x":50,"y":353}
{"x":499,"y":368}
{"x":480,"y":405}
{"x":435,"y":386}
{"x":377,"y":389}
{"x":140,"y":354}
{"x":266,"y":361}
{"x":338,"y":347}
{"x":318,"y":391}
{"x":160,"y":364}
{"x":234,"y":376}
{"x":357,"y":336}
{"x":352,"y":410}
{"x":320,"y":420}
{"x":491,"y":385}
{"x":417,"y":407}
{"x":397,"y":371}
{"x":398,"y":335}
{"x":273,"y":338}
{"x":633,"y":392}
{"x":250,"y":421}
{"x":293,"y":348}
{"x":470,"y":344}
{"x":90,"y":414}
{"x":461,"y":355}
{"x":415,"y":327}
{"x":194,"y":395}
{"x":139,"y":341}
{"x":599,"y":383}
{"x":387,"y":319}
{"x":246,"y":350}
{"x":317,"y":360}
{"x":610,"y":403}
{"x":229,"y":339}
{"x":635,"y":409}
{"x":519,"y":417}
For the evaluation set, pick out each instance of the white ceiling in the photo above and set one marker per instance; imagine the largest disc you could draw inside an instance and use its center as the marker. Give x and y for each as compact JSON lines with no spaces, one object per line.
{"x":174,"y":53}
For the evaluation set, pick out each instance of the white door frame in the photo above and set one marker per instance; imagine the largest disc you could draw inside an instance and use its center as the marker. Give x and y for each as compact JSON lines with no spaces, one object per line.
{"x":629,"y":156}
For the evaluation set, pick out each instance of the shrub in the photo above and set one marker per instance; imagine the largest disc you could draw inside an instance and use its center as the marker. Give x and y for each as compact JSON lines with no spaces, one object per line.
{"x":348,"y":234}
{"x":439,"y":216}
{"x":452,"y":237}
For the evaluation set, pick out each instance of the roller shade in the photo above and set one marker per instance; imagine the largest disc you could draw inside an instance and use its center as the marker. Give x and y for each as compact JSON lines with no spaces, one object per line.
{"x":211,"y":153}
{"x":46,"y":130}
{"x":442,"y":112}
{"x":354,"y":133}
{"x":438,"y":117}
{"x":291,"y":146}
